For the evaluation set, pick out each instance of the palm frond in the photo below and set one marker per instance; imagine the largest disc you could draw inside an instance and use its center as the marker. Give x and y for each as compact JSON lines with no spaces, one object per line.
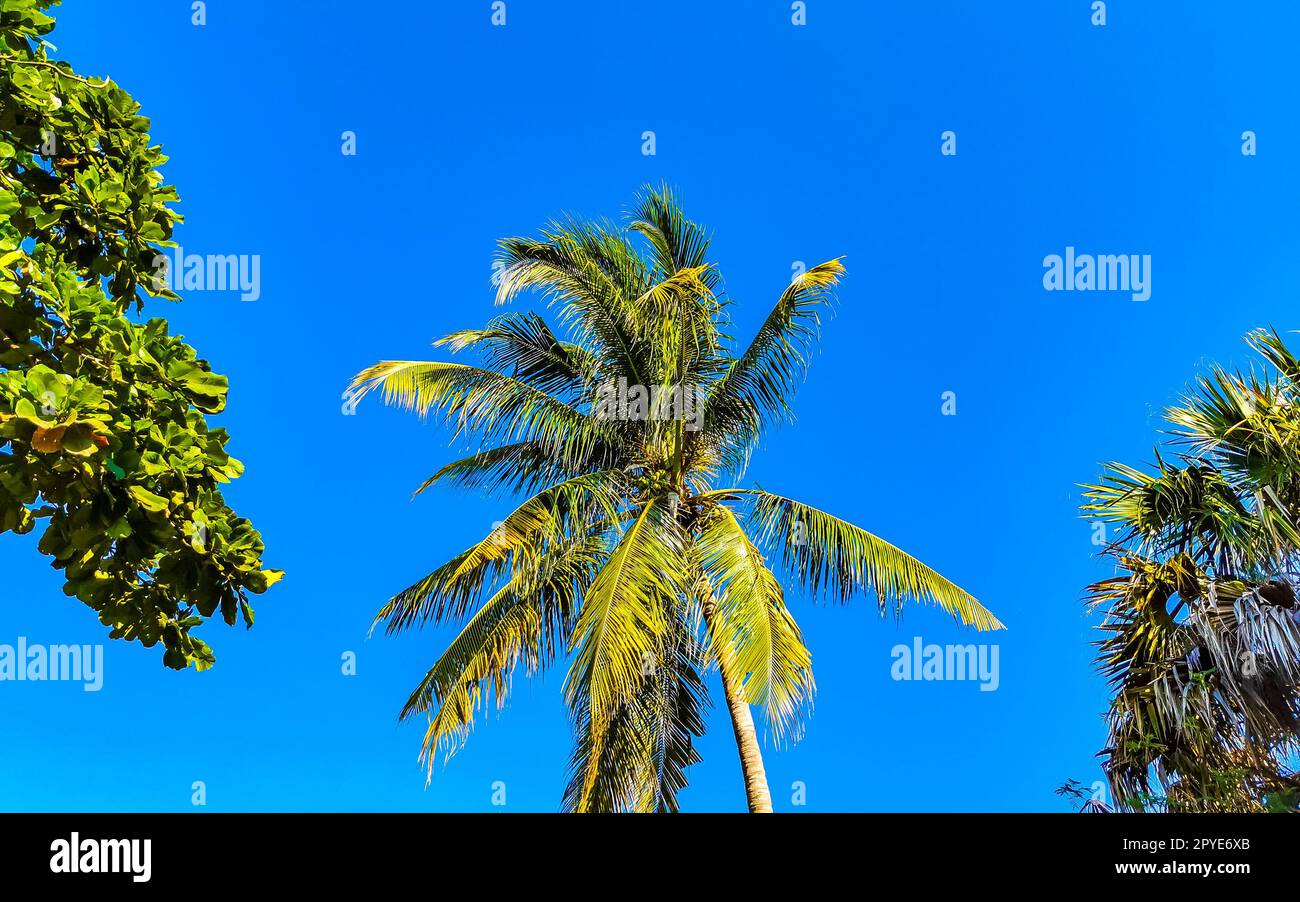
{"x":832,"y":557}
{"x":622,"y":624}
{"x":529,"y":619}
{"x":496,"y":407}
{"x":757,"y":386}
{"x":514,"y":468}
{"x":565,"y":508}
{"x":1201,"y":634}
{"x":676,"y":243}
{"x":1192,"y":509}
{"x":638,"y":762}
{"x":522,"y":346}
{"x":752,"y":626}
{"x":591,"y":276}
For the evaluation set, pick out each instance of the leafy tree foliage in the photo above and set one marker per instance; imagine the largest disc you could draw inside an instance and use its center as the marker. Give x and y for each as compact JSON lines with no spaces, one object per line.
{"x":103,"y":431}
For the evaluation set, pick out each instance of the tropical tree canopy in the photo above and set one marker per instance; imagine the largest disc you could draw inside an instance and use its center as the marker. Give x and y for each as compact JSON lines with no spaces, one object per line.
{"x":103,"y":429}
{"x":1203,"y":631}
{"x":634,"y":554}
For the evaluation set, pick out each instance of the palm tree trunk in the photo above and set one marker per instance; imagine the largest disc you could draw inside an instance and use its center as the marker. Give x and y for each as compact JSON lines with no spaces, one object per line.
{"x":742,"y":722}
{"x":751,"y":758}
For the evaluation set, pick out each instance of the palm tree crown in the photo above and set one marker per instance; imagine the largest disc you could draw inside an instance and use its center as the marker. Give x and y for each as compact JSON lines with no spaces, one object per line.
{"x":635,"y":554}
{"x":1202,"y":644}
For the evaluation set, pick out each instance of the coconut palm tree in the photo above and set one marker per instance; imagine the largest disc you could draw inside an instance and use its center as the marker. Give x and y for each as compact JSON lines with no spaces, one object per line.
{"x":1202,"y":646}
{"x":635,"y":554}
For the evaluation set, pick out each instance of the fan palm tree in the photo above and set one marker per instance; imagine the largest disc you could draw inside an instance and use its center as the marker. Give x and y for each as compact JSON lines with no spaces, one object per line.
{"x":634,"y":554}
{"x":1202,"y":646}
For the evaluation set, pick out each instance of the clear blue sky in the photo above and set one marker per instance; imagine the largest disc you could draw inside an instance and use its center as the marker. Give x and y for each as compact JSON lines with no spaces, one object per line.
{"x":791,"y":143}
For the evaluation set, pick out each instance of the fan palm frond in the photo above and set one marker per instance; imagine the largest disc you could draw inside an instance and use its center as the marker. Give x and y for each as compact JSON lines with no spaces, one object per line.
{"x":1202,"y":626}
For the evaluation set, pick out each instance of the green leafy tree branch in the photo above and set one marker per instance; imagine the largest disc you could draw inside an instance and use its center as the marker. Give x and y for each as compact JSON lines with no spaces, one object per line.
{"x":103,"y":429}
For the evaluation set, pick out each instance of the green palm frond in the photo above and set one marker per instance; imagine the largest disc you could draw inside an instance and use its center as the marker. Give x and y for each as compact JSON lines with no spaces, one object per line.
{"x":522,"y":346}
{"x":757,"y":386}
{"x":495,"y":407}
{"x":447,"y":593}
{"x":832,"y":557}
{"x":1192,"y":509}
{"x":1268,"y":344}
{"x":753,"y":627}
{"x":591,"y":277}
{"x":514,"y":468}
{"x":609,"y":770}
{"x":638,"y":762}
{"x":623,"y":622}
{"x":529,"y":619}
{"x":674,"y":716}
{"x":676,"y":242}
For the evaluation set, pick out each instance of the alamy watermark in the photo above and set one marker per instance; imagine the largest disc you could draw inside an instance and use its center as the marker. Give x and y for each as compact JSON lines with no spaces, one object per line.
{"x":179,"y":271}
{"x":103,"y":856}
{"x":25,"y":662}
{"x":617,"y":400}
{"x":1098,"y":272}
{"x":918,"y":661}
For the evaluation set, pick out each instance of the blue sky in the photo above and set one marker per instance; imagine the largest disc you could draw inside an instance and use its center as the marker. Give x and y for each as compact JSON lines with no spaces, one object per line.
{"x":792,"y":144}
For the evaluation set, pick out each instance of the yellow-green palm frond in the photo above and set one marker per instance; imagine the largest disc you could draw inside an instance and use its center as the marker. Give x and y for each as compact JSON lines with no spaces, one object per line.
{"x":832,"y":557}
{"x":666,"y":296}
{"x":638,"y":762}
{"x":514,"y":468}
{"x":494,"y":406}
{"x":446,"y":594}
{"x":590,"y":276}
{"x":677,"y":318}
{"x":757,"y":386}
{"x":530,"y":619}
{"x":676,"y":242}
{"x":523,"y":346}
{"x":623,"y":622}
{"x":476,"y":664}
{"x":751,"y":626}
{"x":522,"y":537}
